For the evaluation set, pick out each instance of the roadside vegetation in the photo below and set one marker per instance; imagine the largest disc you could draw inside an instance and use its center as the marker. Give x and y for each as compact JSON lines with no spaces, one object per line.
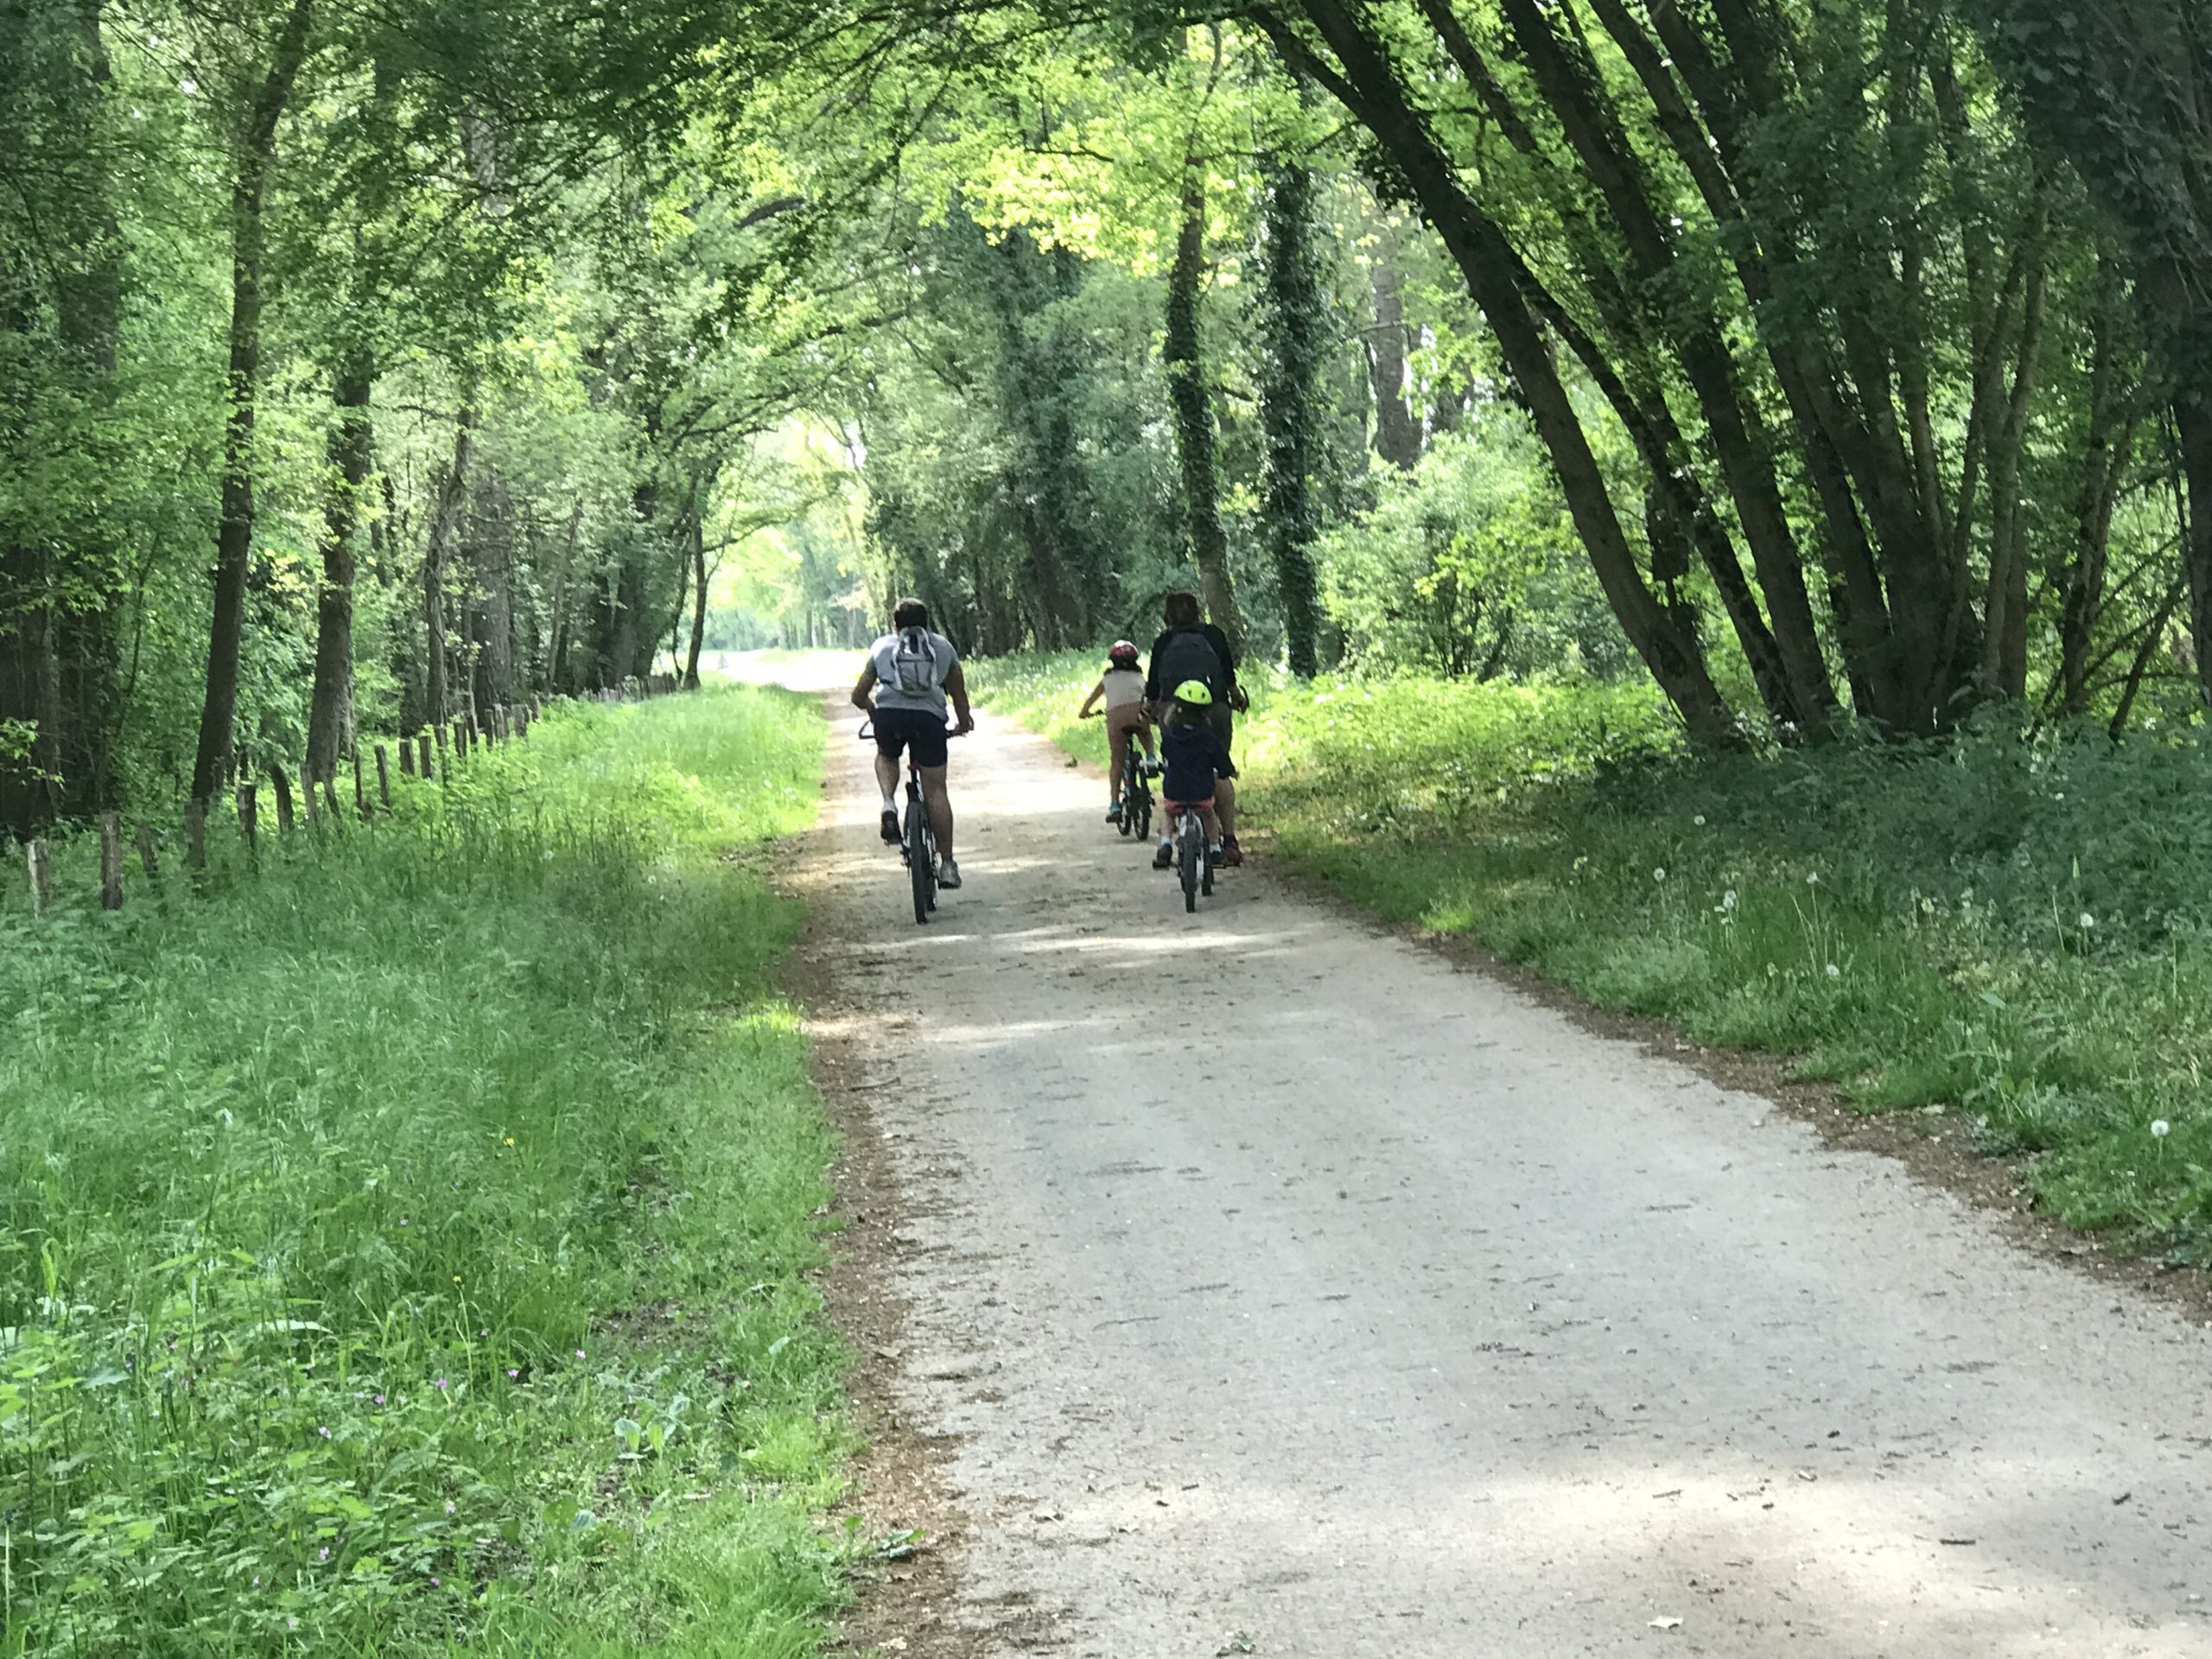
{"x":404,"y":1244}
{"x":2012,"y":933}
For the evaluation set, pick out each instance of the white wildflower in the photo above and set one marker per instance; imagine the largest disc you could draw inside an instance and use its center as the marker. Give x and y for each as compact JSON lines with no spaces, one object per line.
{"x":2161,"y":1128}
{"x":1728,"y":900}
{"x":1835,"y":972}
{"x":1812,"y":878}
{"x":1699,"y":820}
{"x":1659,"y":876}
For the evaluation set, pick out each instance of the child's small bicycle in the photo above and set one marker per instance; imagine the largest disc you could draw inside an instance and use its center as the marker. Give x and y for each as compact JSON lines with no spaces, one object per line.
{"x":1192,"y":868}
{"x":1136,"y":790}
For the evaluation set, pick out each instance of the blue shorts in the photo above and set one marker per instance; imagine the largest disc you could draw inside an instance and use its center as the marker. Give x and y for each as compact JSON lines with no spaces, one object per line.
{"x":923,"y":727}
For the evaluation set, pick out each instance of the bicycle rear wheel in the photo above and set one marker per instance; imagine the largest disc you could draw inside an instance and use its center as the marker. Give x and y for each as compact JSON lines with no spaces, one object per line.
{"x":921,"y":858}
{"x":1143,"y":831}
{"x":1186,"y":859}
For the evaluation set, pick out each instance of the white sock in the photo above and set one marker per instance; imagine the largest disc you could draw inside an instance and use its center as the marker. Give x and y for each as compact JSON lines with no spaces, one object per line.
{"x":890,"y":805}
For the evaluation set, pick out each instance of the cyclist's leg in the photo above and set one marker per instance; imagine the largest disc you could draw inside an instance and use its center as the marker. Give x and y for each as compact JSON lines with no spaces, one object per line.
{"x":1117,"y":748}
{"x":890,"y":743}
{"x":940,"y":805}
{"x":1224,"y":794}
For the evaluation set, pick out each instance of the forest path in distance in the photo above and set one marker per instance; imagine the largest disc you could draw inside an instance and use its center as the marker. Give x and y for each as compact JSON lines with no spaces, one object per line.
{"x":1272,"y":1285}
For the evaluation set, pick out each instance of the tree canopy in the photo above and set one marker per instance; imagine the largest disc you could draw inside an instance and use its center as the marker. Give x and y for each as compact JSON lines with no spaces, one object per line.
{"x":364,"y":368}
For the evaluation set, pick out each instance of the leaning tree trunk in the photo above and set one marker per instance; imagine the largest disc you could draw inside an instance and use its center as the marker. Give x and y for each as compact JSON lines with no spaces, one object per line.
{"x":255,"y":155}
{"x":1194,"y":430}
{"x":1294,"y":327}
{"x":330,"y":715}
{"x":1370,"y":87}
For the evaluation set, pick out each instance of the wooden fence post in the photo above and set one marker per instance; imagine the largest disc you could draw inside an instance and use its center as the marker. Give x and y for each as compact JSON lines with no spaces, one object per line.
{"x":361,"y":807}
{"x":42,"y":878}
{"x":475,"y":732}
{"x":384,"y":778}
{"x":422,"y":751}
{"x":460,"y":740}
{"x":250,"y":820}
{"x":195,"y":835}
{"x":110,"y":862}
{"x":406,"y":757}
{"x":439,"y":727}
{"x":283,"y":799}
{"x":148,"y":860}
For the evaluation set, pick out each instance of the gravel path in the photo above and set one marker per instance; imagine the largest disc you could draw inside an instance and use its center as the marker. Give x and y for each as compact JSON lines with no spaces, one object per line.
{"x":1282,"y":1290}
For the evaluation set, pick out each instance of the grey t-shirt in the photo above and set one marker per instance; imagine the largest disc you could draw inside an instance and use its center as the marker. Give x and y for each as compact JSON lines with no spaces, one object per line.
{"x":911,"y":678}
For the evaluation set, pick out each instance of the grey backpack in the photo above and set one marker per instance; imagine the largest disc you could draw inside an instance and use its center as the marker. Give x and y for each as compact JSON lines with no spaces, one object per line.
{"x":914,"y":664}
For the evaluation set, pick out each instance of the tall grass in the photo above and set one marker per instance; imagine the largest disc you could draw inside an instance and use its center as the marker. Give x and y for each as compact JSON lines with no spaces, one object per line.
{"x":2011,"y":931}
{"x":403,"y":1244}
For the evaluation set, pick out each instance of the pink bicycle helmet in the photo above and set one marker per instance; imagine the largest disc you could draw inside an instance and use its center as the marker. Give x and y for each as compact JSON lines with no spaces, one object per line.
{"x":1122,"y":651}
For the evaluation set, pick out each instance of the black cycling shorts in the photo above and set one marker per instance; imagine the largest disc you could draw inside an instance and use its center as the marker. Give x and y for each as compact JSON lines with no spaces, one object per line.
{"x":923,"y":727}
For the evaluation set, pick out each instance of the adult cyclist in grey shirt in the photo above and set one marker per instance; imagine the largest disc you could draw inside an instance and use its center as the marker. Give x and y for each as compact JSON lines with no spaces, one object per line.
{"x":910,"y":674}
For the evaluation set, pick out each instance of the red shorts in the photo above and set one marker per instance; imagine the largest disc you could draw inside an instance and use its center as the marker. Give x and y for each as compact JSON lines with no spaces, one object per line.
{"x":1171,"y":807}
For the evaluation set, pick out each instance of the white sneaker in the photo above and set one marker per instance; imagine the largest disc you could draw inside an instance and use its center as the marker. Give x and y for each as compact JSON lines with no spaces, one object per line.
{"x":948,"y":873}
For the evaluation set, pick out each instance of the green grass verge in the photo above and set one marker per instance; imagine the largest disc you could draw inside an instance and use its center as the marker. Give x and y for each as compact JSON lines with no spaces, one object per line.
{"x":405,"y":1245}
{"x":2017,"y":933}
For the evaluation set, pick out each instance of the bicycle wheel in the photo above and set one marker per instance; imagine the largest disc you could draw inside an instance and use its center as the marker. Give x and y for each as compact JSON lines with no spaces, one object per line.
{"x":1144,"y":813}
{"x":1205,"y":876}
{"x":921,"y":862}
{"x":1188,"y":858}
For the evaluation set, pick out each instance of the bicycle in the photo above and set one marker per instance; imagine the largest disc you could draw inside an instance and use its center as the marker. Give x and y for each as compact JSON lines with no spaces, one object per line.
{"x":1135,"y":800}
{"x":1193,"y":867}
{"x":917,"y":841}
{"x":1136,"y":790}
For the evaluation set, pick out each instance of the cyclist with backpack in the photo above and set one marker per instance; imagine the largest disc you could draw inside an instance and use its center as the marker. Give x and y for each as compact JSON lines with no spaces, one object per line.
{"x":911,"y":673}
{"x":1191,"y":648}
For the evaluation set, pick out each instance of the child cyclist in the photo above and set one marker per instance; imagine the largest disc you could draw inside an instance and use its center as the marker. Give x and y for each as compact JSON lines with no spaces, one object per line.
{"x":1194,"y":757}
{"x":1122,"y":686}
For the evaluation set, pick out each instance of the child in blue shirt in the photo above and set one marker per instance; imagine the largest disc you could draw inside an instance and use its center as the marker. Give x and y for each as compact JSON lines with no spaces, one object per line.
{"x":1192,"y":756}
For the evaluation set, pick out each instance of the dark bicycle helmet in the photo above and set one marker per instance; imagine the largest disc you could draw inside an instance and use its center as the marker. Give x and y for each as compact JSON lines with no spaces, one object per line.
{"x":1122,"y":651}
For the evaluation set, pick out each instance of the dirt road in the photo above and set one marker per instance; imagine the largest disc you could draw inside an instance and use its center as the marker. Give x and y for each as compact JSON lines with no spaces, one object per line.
{"x":1284,"y":1290}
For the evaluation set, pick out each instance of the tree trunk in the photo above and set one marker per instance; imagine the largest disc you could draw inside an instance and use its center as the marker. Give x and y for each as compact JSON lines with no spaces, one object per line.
{"x":453,"y":494}
{"x":1294,"y":326}
{"x":330,"y":715}
{"x":1194,"y":430}
{"x":1397,"y":432}
{"x":2106,"y":455}
{"x":698,"y":601}
{"x":2193,"y":418}
{"x":2005,"y":609}
{"x":255,"y":154}
{"x":492,"y":557}
{"x":557,"y":650}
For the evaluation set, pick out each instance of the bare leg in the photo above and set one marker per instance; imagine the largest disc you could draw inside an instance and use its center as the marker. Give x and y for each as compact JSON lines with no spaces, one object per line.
{"x":940,"y":805}
{"x":1212,"y":820}
{"x":1225,"y":802}
{"x":1120,"y":748}
{"x":886,"y":775}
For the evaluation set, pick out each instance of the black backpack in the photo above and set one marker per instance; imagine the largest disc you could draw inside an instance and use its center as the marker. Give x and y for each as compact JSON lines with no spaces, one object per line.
{"x":1187,"y":654}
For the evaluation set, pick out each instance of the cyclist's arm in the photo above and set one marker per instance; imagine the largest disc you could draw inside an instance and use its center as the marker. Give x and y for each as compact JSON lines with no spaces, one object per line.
{"x":955,"y":687}
{"x":862,"y":697}
{"x":1088,"y":702}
